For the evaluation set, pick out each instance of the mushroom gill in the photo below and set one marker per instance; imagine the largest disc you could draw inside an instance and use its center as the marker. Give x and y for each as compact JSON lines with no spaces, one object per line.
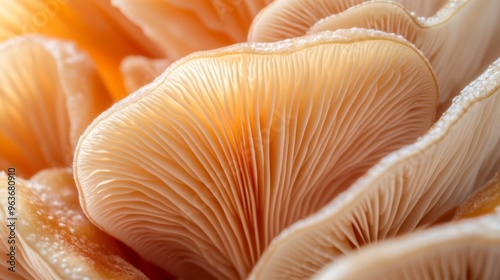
{"x":468,"y":249}
{"x":448,"y":39}
{"x":408,"y":189}
{"x":52,"y":238}
{"x":200,"y":169}
{"x":50,"y":93}
{"x":285,"y":19}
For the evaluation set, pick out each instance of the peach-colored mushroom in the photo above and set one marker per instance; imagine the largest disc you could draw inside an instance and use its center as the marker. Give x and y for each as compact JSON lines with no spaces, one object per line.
{"x":199,"y":170}
{"x":50,"y":92}
{"x":94,"y":25}
{"x":459,"y":250}
{"x":449,"y":39}
{"x":52,"y":238}
{"x":409,"y":189}
{"x":285,"y":19}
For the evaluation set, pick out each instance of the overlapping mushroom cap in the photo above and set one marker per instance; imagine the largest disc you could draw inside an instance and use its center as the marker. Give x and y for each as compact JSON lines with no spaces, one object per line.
{"x":292,"y":18}
{"x":107,"y":29}
{"x":468,"y":249}
{"x":199,"y":170}
{"x":50,"y":92}
{"x":410,"y":188}
{"x":52,"y":238}
{"x":94,"y":25}
{"x":229,"y":148}
{"x":448,"y":39}
{"x":459,"y":249}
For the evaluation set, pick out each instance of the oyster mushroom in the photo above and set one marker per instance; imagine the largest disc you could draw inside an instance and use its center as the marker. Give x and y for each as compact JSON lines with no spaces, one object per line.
{"x":285,"y":19}
{"x":199,"y":170}
{"x":449,"y":39}
{"x":469,"y":249}
{"x":52,"y":237}
{"x":50,"y":93}
{"x":408,"y":189}
{"x":96,"y":26}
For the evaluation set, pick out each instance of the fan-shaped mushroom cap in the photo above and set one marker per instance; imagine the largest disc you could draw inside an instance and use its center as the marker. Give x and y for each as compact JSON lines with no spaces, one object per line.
{"x":460,"y":250}
{"x":52,"y":237}
{"x":50,"y":92}
{"x":407,"y":189}
{"x":285,"y":19}
{"x":199,"y":170}
{"x":485,"y":200}
{"x":180,"y":27}
{"x":94,"y":25}
{"x":456,"y":40}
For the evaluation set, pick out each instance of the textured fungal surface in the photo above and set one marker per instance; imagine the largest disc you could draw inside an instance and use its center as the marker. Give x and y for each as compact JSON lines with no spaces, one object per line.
{"x":94,"y":25}
{"x":449,"y":39}
{"x":199,"y":170}
{"x":249,"y":139}
{"x":284,"y":19}
{"x":458,"y":250}
{"x":409,"y":189}
{"x":50,"y":92}
{"x":53,"y":238}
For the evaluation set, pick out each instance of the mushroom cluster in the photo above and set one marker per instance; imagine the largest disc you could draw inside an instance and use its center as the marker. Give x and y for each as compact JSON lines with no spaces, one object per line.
{"x":240,"y":139}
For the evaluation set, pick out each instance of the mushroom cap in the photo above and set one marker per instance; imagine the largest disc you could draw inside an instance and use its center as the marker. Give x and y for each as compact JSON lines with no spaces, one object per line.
{"x":50,"y":93}
{"x":94,"y":25}
{"x":408,"y":189}
{"x":469,"y":249}
{"x":285,"y":19}
{"x":200,"y":169}
{"x":181,"y":27}
{"x":449,"y":39}
{"x":53,"y":238}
